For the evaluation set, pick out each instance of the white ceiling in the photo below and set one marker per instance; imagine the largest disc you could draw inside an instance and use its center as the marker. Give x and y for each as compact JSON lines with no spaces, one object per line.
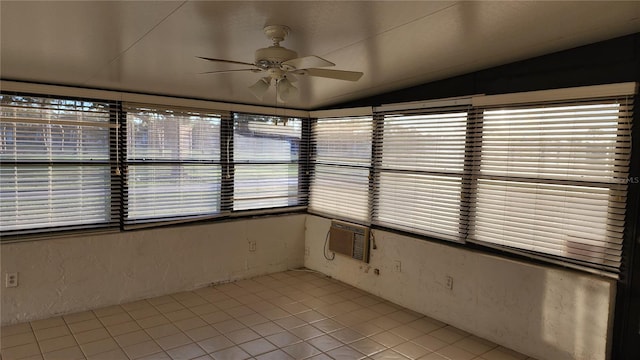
{"x":151,"y":46}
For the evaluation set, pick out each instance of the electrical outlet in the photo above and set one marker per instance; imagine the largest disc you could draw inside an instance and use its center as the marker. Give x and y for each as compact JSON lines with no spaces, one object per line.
{"x":306,"y":251}
{"x":11,"y":279}
{"x":397,"y":266}
{"x":449,"y":282}
{"x":252,"y":246}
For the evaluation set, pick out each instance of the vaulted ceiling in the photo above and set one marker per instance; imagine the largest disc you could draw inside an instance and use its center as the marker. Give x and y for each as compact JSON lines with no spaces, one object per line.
{"x":152,"y":46}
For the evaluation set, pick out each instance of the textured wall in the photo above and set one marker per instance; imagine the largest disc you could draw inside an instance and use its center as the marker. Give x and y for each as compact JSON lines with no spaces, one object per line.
{"x":547,"y":313}
{"x":77,"y":273}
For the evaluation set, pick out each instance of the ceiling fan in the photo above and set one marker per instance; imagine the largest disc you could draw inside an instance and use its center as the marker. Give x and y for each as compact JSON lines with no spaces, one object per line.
{"x":281,"y":64}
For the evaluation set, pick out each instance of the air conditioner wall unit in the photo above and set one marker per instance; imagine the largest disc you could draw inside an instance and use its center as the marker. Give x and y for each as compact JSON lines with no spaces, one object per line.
{"x":349,"y":239}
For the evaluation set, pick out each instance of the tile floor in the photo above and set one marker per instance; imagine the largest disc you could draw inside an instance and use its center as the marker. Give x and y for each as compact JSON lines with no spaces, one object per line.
{"x":288,"y":315}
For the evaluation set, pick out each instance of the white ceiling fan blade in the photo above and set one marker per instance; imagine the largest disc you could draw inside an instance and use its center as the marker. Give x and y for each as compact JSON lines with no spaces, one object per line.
{"x":307,"y":62}
{"x":225,"y":61}
{"x":333,"y":74}
{"x":228,"y":71}
{"x":260,"y":87}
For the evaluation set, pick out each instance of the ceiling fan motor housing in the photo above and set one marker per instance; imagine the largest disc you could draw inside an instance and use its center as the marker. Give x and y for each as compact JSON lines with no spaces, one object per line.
{"x":273,"y":56}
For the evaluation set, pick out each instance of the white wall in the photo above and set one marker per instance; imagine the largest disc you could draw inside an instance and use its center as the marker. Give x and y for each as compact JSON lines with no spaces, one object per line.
{"x":64,"y":275}
{"x":547,"y":313}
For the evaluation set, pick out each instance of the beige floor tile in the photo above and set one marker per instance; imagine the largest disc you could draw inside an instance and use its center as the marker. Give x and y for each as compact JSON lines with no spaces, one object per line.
{"x":156,"y":356}
{"x":85,"y":326}
{"x":252,"y":319}
{"x":71,"y":353}
{"x":152,"y":321}
{"x":215,"y":317}
{"x":21,"y":351}
{"x":501,"y":353}
{"x":136,"y":306}
{"x":475,"y":345}
{"x":115,"y":319}
{"x":274,"y":355}
{"x":132,"y":338}
{"x":268,"y":328}
{"x":52,"y":332}
{"x":242,"y":335}
{"x":257,"y":347}
{"x":142,"y":313}
{"x":306,"y":332}
{"x":325,"y":342}
{"x":179,"y":315}
{"x":449,"y":334}
{"x":99,"y":346}
{"x":186,"y":352}
{"x":368,"y":346}
{"x":115,"y":354}
{"x":77,"y":317}
{"x":388,"y":355}
{"x":345,"y":353}
{"x":17,"y":339}
{"x":411,"y":350}
{"x":190,"y":323}
{"x":142,"y":349}
{"x":215,"y":343}
{"x":283,"y":339}
{"x":202,"y":333}
{"x":455,"y":353}
{"x":388,"y":339}
{"x":228,"y":326}
{"x":169,"y":307}
{"x":173,"y":341}
{"x":429,"y":342}
{"x":204,"y":309}
{"x":108,"y":311}
{"x":162,"y":331}
{"x":301,"y":350}
{"x":15,"y":329}
{"x":57,"y":343}
{"x":123,"y":328}
{"x":91,"y":335}
{"x":47,"y":323}
{"x":232,"y":353}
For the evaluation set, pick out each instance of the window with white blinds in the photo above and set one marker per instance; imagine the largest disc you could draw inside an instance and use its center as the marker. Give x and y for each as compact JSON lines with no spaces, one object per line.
{"x":56,"y":164}
{"x":342,"y":164}
{"x":173,"y":163}
{"x":551,"y":179}
{"x":266,"y":158}
{"x":419,"y":173}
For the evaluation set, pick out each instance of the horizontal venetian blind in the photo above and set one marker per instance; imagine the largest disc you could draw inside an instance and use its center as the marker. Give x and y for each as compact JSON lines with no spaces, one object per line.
{"x":265,"y":161}
{"x":551,"y":178}
{"x":173,"y":160}
{"x":342,"y":164}
{"x":56,"y":169}
{"x":419,"y":173}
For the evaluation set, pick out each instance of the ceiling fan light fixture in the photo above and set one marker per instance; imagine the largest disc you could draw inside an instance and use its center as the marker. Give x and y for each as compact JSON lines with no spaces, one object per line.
{"x":260,"y":87}
{"x":286,"y":90}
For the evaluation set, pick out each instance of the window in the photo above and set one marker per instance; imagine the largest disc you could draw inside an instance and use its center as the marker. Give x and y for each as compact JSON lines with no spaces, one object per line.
{"x":551,"y":179}
{"x":173,"y":163}
{"x":419,"y":174}
{"x":266,"y":162}
{"x":342,"y":164}
{"x":56,"y":160}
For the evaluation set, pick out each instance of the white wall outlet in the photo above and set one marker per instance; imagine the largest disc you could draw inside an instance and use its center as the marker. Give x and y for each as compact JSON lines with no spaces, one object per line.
{"x":252,"y":246}
{"x":449,"y":282}
{"x":11,"y":279}
{"x":306,"y":251}
{"x":397,"y":266}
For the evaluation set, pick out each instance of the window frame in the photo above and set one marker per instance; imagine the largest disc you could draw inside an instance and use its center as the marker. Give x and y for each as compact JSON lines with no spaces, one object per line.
{"x":112,"y":186}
